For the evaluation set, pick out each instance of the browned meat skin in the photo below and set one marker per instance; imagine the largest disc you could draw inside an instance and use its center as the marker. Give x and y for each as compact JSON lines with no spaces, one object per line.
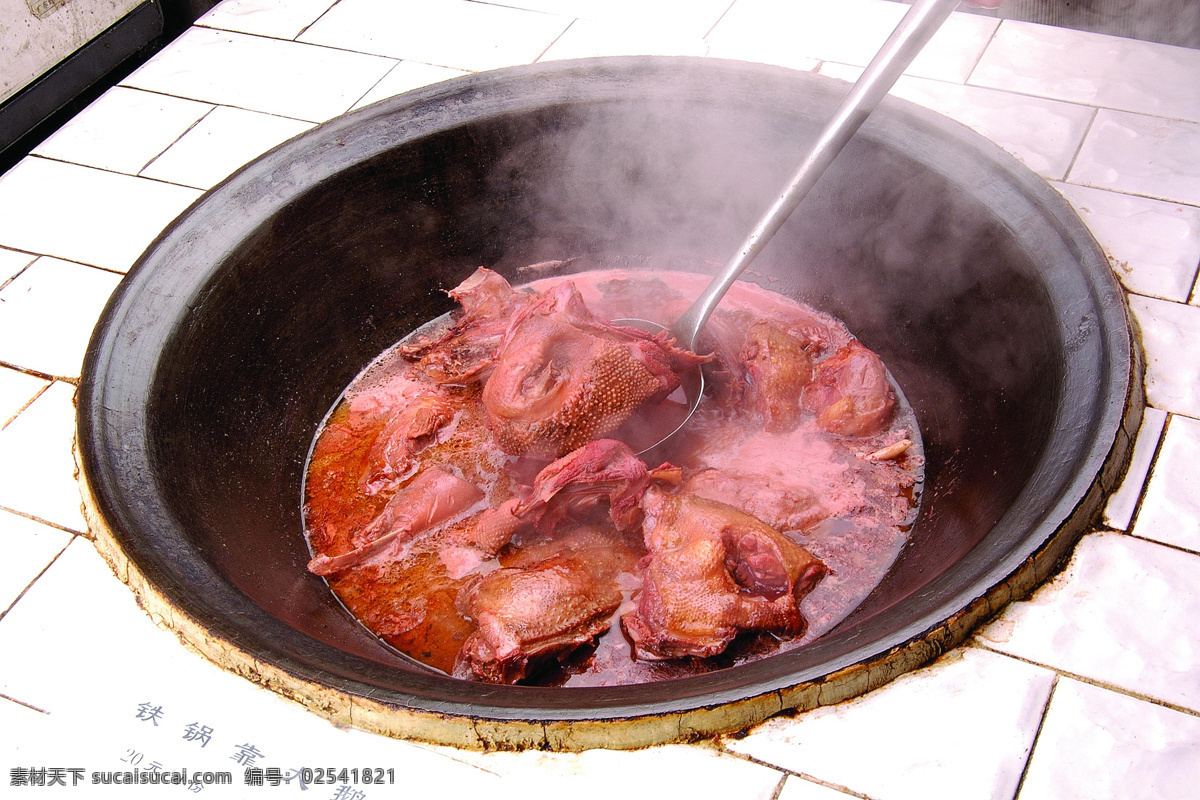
{"x":463,"y":353}
{"x":850,"y":393}
{"x":713,"y":572}
{"x":418,"y":425}
{"x":434,"y":496}
{"x":785,"y":506}
{"x":564,"y":377}
{"x":532,"y":614}
{"x":779,"y":369}
{"x":575,"y":485}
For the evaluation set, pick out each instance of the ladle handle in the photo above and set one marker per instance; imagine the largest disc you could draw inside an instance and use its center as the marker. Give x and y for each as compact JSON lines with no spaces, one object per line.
{"x":909,"y":37}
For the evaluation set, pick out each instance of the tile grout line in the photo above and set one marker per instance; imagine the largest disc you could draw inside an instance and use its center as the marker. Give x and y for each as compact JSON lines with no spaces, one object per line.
{"x":28,"y":403}
{"x":76,"y":262}
{"x":1099,"y":684}
{"x":175,"y":141}
{"x":46,"y":376}
{"x":1036,"y":736}
{"x":30,"y":706}
{"x":713,"y":27}
{"x":555,"y":41}
{"x":982,"y":53}
{"x":37,"y":577}
{"x":112,"y":172}
{"x":320,"y":17}
{"x":371,"y":88}
{"x":46,"y":522}
{"x":789,"y":772}
{"x":211,"y":103}
{"x":18,"y":273}
{"x":1137,"y":506}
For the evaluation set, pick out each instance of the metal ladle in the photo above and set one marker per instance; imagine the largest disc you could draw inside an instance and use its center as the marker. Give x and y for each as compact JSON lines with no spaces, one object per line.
{"x":917,"y":27}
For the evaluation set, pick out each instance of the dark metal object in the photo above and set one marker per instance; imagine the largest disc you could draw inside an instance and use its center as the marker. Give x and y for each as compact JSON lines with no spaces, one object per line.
{"x":222,"y":350}
{"x":54,"y":90}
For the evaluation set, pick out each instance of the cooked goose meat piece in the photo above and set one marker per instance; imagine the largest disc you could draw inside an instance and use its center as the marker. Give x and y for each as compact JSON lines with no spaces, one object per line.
{"x":779,"y":368}
{"x":564,"y":377}
{"x":713,"y":572}
{"x":850,"y":393}
{"x":528,"y":615}
{"x":433,"y":497}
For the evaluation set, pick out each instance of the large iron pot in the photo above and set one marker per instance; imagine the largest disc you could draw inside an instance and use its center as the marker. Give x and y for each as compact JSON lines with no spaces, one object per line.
{"x":225,"y":346}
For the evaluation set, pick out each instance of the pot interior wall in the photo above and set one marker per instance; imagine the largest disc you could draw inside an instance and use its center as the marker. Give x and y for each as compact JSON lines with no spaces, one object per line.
{"x":935,"y":257}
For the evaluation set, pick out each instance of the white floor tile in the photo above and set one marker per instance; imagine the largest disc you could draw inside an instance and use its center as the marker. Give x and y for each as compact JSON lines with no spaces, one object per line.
{"x":1141,"y":155}
{"x":123,"y":130}
{"x":1170,"y":332}
{"x":36,"y":466}
{"x":1118,"y":511}
{"x":266,"y":17}
{"x":1171,"y":508}
{"x":686,"y":18}
{"x":220,"y":143}
{"x":29,"y":547}
{"x":674,"y":770}
{"x":84,"y":214}
{"x":406,"y":76}
{"x":1097,"y":743}
{"x":1154,"y":246}
{"x":800,"y":789}
{"x":1125,"y":612}
{"x":47,"y":314}
{"x":590,"y":39}
{"x":16,"y":390}
{"x":269,"y":75}
{"x":1043,"y":134}
{"x":1083,"y":67}
{"x":849,"y":32}
{"x":77,"y":646}
{"x":12,"y":262}
{"x":448,"y":33}
{"x":961,"y":729}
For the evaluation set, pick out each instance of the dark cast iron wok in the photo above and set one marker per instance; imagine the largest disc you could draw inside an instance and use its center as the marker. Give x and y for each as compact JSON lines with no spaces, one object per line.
{"x":223,"y":349}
